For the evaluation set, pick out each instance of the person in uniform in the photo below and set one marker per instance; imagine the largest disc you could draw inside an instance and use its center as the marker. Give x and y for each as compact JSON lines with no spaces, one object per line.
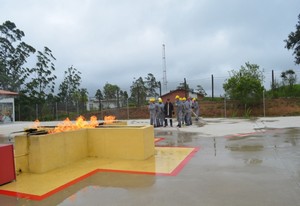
{"x":152,"y":111}
{"x":168,"y":110}
{"x":179,"y":110}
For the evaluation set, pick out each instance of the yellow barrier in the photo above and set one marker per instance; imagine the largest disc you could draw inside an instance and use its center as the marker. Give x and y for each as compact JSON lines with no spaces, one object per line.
{"x":41,"y":153}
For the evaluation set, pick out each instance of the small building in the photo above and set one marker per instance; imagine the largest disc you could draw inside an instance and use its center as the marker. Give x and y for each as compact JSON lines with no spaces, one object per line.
{"x":93,"y":104}
{"x":7,"y":106}
{"x":181,"y":93}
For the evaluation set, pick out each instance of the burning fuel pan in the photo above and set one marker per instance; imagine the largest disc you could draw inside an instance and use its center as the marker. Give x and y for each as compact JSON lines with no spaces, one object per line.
{"x":42,"y":153}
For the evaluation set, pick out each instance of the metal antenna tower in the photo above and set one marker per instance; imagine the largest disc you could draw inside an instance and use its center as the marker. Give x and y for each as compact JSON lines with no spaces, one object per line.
{"x":164,"y":68}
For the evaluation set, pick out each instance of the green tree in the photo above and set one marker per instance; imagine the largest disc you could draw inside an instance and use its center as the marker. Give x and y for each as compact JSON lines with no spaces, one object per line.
{"x":83,"y":99}
{"x":245,"y":84}
{"x":111,"y":92}
{"x":288,"y":77}
{"x":69,"y":88}
{"x":138,"y":92}
{"x":99,"y":97}
{"x":152,"y":85}
{"x":13,"y":55}
{"x":43,"y":80}
{"x":124,"y":97}
{"x":293,"y":42}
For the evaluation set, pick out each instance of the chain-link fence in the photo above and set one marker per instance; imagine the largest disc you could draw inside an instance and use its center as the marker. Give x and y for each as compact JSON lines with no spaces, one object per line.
{"x":213,"y":86}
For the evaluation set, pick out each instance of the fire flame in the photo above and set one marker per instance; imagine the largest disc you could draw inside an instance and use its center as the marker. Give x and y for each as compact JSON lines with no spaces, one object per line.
{"x":80,"y":123}
{"x":36,"y":124}
{"x":109,"y":119}
{"x":68,"y":125}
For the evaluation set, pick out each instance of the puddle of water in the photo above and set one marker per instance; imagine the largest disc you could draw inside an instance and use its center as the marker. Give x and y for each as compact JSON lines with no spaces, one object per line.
{"x":253,"y":161}
{"x":245,"y":148}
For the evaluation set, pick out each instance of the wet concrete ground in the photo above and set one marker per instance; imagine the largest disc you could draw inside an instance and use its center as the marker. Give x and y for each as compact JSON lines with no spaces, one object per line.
{"x":240,"y":162}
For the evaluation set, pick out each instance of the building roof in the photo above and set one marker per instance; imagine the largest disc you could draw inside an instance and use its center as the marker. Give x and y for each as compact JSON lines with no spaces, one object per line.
{"x":8,"y":93}
{"x":173,"y":91}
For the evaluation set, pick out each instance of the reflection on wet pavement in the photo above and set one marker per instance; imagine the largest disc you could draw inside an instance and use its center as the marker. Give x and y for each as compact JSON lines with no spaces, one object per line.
{"x":259,"y":168}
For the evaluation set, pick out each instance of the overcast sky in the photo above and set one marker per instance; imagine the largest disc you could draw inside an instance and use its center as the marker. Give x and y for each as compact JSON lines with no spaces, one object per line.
{"x":115,"y":41}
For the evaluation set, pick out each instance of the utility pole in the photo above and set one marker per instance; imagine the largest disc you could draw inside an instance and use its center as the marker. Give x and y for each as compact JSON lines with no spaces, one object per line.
{"x":164,"y":68}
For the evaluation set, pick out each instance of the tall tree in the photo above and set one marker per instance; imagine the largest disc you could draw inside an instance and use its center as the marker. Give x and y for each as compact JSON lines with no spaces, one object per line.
{"x":43,"y":79}
{"x":69,"y":88}
{"x":99,"y":97}
{"x":111,"y":92}
{"x":13,"y":55}
{"x":245,"y":84}
{"x":152,"y":85}
{"x":83,"y":99}
{"x":123,"y":97}
{"x":288,"y":77}
{"x":293,"y":42}
{"x":138,"y":92}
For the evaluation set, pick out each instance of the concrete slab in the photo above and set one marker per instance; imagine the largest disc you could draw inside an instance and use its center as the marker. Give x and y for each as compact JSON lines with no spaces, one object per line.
{"x":240,"y":162}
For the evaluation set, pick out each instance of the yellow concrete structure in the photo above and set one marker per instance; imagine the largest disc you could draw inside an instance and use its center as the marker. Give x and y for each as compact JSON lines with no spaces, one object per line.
{"x":166,"y":161}
{"x":131,"y":142}
{"x":42,"y":153}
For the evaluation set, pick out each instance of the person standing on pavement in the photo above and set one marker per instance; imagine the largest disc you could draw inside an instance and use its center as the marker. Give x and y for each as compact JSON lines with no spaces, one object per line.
{"x":168,"y":110}
{"x":152,"y":112}
{"x":188,"y":111}
{"x":160,"y":113}
{"x":196,"y":108}
{"x":179,"y":109}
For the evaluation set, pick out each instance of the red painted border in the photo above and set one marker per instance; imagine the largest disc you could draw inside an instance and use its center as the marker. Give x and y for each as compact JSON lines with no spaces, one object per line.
{"x":62,"y":187}
{"x":158,"y":139}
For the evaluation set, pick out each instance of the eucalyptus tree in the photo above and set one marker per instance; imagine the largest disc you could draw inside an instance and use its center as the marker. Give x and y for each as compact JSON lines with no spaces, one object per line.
{"x":70,"y":87}
{"x":293,"y":42}
{"x":123,"y":97}
{"x":152,"y":85}
{"x":288,"y":77}
{"x":111,"y":92}
{"x":83,"y":99}
{"x":99,"y":97}
{"x":13,"y":56}
{"x":42,"y":82}
{"x":42,"y":78}
{"x":138,"y":91}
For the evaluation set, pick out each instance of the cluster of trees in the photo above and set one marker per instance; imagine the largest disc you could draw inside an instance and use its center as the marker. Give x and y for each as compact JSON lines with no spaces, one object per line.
{"x":35,"y":83}
{"x":140,"y":90}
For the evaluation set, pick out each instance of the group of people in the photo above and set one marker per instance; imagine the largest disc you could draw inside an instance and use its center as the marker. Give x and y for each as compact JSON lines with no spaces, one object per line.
{"x":161,"y":114}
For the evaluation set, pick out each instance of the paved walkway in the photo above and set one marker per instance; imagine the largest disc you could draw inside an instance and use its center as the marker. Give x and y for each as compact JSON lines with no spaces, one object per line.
{"x":239,"y":162}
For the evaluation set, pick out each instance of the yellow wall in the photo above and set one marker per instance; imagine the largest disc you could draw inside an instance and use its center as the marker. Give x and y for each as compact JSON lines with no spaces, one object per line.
{"x":51,"y":151}
{"x":46,"y":152}
{"x":133,"y":143}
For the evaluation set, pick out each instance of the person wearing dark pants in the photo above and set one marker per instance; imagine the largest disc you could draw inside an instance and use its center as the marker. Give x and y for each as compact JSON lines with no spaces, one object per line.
{"x":168,"y":110}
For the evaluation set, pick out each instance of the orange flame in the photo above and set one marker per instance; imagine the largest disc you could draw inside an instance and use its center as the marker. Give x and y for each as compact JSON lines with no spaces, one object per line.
{"x":109,"y":119}
{"x":68,"y":125}
{"x":36,"y":123}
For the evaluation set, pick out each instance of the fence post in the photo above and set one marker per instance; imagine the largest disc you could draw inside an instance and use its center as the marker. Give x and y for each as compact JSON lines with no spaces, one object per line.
{"x":264,"y":103}
{"x":36,"y":111}
{"x":225,"y":106}
{"x":127,"y":109}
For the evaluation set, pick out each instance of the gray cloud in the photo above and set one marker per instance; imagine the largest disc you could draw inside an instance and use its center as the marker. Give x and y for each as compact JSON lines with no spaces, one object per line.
{"x":116,"y":41}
